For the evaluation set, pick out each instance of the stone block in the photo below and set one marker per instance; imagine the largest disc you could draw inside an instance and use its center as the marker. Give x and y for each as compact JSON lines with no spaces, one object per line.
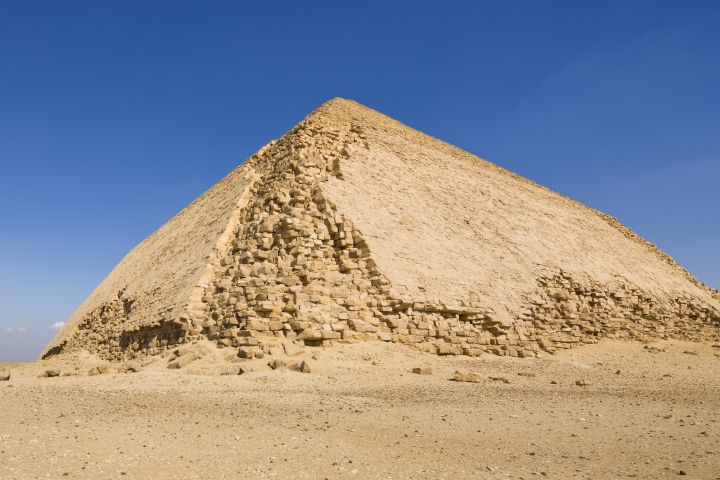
{"x":470,"y":377}
{"x":275,"y":325}
{"x":257,"y":325}
{"x":182,"y":360}
{"x":330,"y":335}
{"x":298,"y":325}
{"x":276,"y":363}
{"x":292,"y":350}
{"x":247,"y":341}
{"x":304,"y":367}
{"x":246,"y":352}
{"x":133,"y":367}
{"x":310,"y":334}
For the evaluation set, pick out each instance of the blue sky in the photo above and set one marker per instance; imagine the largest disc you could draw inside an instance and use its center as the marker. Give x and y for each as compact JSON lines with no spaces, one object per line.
{"x":115,"y":115}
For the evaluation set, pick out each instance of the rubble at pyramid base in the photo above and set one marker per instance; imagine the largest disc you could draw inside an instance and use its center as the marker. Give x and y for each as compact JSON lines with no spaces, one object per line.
{"x":293,"y":268}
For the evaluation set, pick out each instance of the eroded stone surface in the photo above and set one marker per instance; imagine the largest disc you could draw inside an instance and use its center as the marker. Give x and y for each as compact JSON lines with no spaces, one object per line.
{"x":307,"y":243}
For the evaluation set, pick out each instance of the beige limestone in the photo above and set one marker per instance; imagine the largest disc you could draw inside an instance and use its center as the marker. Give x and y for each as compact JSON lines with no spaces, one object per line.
{"x":354,"y":227}
{"x":467,"y":377}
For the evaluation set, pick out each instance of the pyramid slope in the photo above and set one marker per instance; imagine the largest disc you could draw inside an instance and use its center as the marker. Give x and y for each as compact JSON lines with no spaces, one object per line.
{"x":354,"y":227}
{"x":153,"y":284}
{"x":444,"y":224}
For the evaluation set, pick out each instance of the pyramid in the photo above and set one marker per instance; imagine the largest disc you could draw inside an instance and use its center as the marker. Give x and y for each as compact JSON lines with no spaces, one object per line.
{"x":354,"y":227}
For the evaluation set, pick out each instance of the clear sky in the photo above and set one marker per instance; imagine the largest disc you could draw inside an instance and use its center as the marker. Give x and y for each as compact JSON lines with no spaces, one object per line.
{"x":115,"y":115}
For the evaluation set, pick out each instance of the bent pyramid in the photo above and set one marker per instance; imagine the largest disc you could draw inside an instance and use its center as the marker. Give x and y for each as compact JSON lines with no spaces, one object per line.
{"x":353,"y":226}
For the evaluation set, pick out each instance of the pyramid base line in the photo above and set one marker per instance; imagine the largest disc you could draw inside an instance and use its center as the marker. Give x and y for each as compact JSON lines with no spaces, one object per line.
{"x":561,"y":315}
{"x":293,"y":268}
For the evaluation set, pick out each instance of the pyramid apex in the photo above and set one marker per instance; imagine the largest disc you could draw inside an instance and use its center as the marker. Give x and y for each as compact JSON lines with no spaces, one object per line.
{"x":337,"y":100}
{"x":339,"y":110}
{"x":341,"y":106}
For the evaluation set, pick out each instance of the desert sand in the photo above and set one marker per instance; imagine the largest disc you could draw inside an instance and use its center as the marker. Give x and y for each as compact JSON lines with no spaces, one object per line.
{"x":609,"y":410}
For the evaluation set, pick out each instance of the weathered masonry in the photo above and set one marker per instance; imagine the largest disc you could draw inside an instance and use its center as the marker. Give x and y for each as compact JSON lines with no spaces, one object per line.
{"x":355,"y":227}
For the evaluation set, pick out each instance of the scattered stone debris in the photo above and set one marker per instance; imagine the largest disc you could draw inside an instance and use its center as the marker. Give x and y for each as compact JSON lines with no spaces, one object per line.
{"x":653,"y":349}
{"x":275,"y":350}
{"x":4,"y":375}
{"x":582,"y":383}
{"x":690,"y":352}
{"x":53,"y":372}
{"x":302,"y":367}
{"x":292,"y":350}
{"x":149,"y":361}
{"x":246,"y":352}
{"x":424,"y":370}
{"x":469,"y":377}
{"x":500,"y":379}
{"x":276,"y":364}
{"x":132,"y":367}
{"x":182,"y":360}
{"x":527,"y":374}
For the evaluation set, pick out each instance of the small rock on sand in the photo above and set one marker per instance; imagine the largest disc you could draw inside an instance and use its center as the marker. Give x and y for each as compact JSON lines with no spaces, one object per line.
{"x":292,"y":350}
{"x":304,"y":367}
{"x":500,"y":379}
{"x":275,"y":364}
{"x":246,"y":352}
{"x":465,"y":377}
{"x":425,"y":370}
{"x":133,"y":367}
{"x":182,"y":360}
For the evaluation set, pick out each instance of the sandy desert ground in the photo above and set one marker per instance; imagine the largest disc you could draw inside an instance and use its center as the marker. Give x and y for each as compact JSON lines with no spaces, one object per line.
{"x":644,"y":411}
